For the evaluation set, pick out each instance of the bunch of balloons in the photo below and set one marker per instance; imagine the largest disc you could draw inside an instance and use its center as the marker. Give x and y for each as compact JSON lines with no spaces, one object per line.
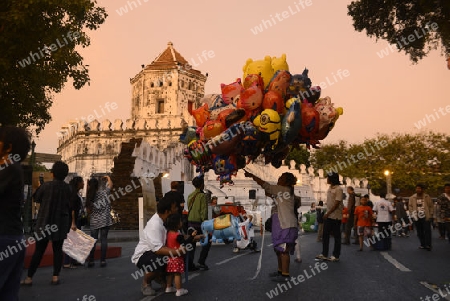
{"x":267,"y":114}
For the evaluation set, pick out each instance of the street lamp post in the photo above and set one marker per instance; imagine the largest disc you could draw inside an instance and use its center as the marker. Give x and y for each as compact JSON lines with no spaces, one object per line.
{"x":388,"y":174}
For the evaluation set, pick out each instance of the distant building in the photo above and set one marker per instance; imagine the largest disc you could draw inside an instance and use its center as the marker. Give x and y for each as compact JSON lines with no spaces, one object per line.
{"x":162,"y":93}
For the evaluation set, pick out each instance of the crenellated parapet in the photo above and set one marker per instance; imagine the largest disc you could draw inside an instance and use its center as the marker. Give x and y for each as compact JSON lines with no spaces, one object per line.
{"x":150,"y":161}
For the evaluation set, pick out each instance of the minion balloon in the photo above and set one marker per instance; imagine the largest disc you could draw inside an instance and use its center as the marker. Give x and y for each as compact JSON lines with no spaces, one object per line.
{"x":269,"y":123}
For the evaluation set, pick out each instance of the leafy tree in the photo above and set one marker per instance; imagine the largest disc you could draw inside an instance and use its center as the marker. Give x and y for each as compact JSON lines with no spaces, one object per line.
{"x":299,"y":155}
{"x":38,"y":41}
{"x":416,"y":27}
{"x":412,"y":159}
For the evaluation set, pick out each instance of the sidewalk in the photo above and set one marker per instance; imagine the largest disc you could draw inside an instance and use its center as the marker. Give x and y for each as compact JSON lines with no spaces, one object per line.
{"x":120,"y":235}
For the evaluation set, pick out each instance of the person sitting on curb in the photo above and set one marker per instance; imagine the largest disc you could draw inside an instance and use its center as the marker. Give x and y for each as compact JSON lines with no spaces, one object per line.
{"x":151,"y":253}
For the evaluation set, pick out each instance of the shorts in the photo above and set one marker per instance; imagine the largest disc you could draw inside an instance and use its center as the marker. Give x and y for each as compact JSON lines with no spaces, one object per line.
{"x":151,"y":262}
{"x":364,"y":231}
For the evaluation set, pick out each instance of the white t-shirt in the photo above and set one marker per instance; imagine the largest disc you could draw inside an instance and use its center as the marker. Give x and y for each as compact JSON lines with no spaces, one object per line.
{"x":420,"y":206}
{"x":383,"y":209}
{"x":153,"y":238}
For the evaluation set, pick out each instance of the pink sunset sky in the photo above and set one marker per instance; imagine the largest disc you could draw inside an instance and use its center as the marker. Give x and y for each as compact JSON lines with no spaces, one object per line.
{"x":379,"y":94}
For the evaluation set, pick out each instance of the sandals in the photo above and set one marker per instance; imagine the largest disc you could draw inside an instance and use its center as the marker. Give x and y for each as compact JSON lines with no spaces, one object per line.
{"x":23,"y":283}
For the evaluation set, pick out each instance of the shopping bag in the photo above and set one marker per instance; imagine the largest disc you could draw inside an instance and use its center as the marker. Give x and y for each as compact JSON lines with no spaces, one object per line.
{"x":78,"y":245}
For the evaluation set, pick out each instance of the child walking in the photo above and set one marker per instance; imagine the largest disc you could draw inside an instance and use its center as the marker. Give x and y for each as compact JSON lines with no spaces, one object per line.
{"x":175,"y":265}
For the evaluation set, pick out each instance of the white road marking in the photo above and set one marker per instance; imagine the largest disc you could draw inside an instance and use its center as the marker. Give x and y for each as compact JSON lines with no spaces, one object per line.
{"x":441,"y":292}
{"x":232,"y":258}
{"x":397,"y":264}
{"x":193,"y":275}
{"x":258,"y":268}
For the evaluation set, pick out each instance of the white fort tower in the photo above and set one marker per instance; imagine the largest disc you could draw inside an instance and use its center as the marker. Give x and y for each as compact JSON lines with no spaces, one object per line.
{"x":161,"y":94}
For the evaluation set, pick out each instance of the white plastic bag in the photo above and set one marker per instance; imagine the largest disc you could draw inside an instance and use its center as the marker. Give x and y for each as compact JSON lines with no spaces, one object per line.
{"x":78,"y":245}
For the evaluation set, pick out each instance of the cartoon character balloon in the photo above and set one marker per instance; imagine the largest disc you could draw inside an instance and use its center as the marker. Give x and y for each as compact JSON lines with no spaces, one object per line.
{"x":269,"y":123}
{"x":225,"y":167}
{"x":267,"y":114}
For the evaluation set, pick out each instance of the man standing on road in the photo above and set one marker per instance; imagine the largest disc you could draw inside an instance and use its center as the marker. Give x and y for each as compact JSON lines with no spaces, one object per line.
{"x":175,"y":194}
{"x":198,"y":212}
{"x":421,"y":208}
{"x":351,"y":214}
{"x":332,"y":219}
{"x":444,"y":204}
{"x":384,"y":210}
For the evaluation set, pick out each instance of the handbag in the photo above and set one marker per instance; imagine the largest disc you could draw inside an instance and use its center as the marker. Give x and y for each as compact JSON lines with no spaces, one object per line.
{"x":78,"y":245}
{"x":115,"y":216}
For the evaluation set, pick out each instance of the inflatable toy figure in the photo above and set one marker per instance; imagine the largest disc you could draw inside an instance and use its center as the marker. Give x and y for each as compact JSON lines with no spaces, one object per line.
{"x":299,"y":83}
{"x":250,"y":100}
{"x":247,"y":233}
{"x":280,"y":83}
{"x":339,"y":112}
{"x":231,"y":92}
{"x":261,"y":67}
{"x":254,"y":79}
{"x":251,"y":143}
{"x":224,"y":228}
{"x":236,"y":116}
{"x":214,"y":101}
{"x":309,"y":222}
{"x":225,"y":167}
{"x":326,"y":111}
{"x":273,"y":100}
{"x":269,"y":123}
{"x":198,"y":154}
{"x":310,"y":125}
{"x":201,"y":115}
{"x":312,"y":94}
{"x":292,"y":121}
{"x":189,"y":134}
{"x":324,"y":131}
{"x":226,"y":142}
{"x":214,"y":114}
{"x":279,"y":63}
{"x":276,"y":156}
{"x":211,"y":129}
{"x":223,"y":115}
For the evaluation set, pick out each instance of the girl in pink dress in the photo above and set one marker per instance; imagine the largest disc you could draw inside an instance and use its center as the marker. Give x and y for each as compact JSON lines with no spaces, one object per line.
{"x":175,"y":265}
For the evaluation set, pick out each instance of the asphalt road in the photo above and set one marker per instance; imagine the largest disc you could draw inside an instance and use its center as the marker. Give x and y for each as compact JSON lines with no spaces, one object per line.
{"x":403,"y":273}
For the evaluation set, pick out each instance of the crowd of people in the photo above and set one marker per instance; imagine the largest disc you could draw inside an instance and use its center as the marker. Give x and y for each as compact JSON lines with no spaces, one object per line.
{"x":167,"y":247}
{"x":365,"y":221}
{"x":61,"y":210}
